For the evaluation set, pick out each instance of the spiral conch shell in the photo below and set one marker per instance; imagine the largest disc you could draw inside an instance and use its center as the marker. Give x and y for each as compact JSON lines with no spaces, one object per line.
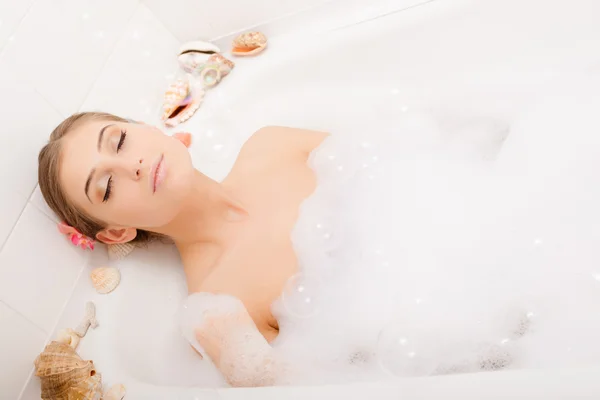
{"x":181,"y":102}
{"x":119,"y":251}
{"x":249,"y":43}
{"x":105,"y":279}
{"x":65,"y":376}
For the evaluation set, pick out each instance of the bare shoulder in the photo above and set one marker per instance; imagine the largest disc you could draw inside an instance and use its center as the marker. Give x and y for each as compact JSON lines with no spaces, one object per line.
{"x":284,"y":140}
{"x":199,"y":260}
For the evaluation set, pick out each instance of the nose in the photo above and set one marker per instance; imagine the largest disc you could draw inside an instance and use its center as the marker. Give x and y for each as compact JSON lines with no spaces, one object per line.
{"x":130,"y":168}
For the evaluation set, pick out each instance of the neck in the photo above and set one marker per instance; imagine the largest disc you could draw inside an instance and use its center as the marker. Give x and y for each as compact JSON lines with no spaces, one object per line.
{"x":207,"y":211}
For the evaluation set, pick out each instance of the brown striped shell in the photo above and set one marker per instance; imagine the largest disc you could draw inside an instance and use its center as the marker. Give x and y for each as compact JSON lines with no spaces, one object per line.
{"x":65,"y":376}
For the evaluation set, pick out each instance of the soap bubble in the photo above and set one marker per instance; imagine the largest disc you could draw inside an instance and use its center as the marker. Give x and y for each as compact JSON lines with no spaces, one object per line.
{"x":301,"y":295}
{"x":401,"y":353}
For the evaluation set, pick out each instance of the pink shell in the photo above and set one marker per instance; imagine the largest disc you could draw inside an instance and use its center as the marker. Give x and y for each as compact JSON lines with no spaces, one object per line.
{"x":180,"y":102}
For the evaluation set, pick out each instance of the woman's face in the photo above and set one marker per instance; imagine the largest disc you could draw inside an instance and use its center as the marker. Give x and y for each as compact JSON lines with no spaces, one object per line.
{"x":126,"y":174}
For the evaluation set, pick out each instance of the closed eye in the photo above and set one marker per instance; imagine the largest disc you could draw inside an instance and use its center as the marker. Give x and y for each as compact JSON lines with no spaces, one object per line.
{"x":121,"y":140}
{"x":108,"y":190}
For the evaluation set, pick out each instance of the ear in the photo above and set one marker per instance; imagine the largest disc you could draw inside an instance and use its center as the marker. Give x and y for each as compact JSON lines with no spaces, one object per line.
{"x":116,"y":235}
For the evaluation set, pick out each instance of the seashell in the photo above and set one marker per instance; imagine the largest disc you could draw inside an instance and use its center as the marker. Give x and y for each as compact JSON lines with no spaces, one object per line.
{"x":65,"y":376}
{"x":89,"y":319}
{"x":116,"y":392}
{"x":180,"y":102}
{"x":210,"y":75}
{"x":249,"y":43}
{"x":200,"y":47}
{"x":193,"y":55}
{"x":119,"y":251}
{"x":105,"y":279}
{"x":225,"y":65}
{"x":68,"y":336}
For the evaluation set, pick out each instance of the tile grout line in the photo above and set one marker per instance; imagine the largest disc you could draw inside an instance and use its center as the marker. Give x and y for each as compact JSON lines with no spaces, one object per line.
{"x":269,"y":21}
{"x":177,"y":38}
{"x":3,"y":48}
{"x":3,"y":244}
{"x":53,"y":329}
{"x":382,"y":15}
{"x":49,"y":103}
{"x":19,"y":313}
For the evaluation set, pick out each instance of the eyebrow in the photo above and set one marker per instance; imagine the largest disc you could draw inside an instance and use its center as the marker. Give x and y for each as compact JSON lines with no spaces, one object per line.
{"x":93,"y":171}
{"x":101,"y":135}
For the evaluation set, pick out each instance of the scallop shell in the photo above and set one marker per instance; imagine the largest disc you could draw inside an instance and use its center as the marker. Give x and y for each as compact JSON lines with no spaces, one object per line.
{"x":180,"y":102}
{"x":116,"y":392}
{"x":68,"y":336}
{"x":119,"y":251}
{"x":105,"y":279}
{"x":65,"y":376}
{"x":249,"y":43}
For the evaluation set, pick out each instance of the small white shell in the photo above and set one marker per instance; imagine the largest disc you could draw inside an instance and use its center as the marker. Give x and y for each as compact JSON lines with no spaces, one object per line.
{"x":105,"y":279}
{"x":120,"y":250}
{"x":193,"y":55}
{"x":116,"y":392}
{"x":68,"y":336}
{"x":198,"y":46}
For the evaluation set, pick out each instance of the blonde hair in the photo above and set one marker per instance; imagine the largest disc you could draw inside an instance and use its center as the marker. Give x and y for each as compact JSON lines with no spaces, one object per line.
{"x":49,"y":164}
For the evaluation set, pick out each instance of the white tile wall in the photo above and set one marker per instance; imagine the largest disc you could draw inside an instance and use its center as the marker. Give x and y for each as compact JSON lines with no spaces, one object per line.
{"x":38,"y":269}
{"x":138,"y":71}
{"x":192,"y":19}
{"x":27,"y":120}
{"x":58,"y":57}
{"x":20,"y":343}
{"x":61,"y":54}
{"x":11,"y":14}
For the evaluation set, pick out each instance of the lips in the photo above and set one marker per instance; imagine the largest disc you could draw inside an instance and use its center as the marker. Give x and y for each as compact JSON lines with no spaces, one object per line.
{"x":157,"y":173}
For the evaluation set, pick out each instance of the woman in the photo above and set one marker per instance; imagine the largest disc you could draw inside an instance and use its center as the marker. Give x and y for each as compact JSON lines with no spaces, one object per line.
{"x":118,"y":181}
{"x":327,"y":206}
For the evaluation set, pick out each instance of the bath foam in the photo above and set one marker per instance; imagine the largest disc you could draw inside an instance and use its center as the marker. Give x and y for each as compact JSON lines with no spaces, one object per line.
{"x":451,"y":263}
{"x":418,"y":256}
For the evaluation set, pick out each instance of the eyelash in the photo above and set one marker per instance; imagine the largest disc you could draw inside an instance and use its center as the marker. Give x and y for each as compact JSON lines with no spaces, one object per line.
{"x":108,"y":190}
{"x":109,"y":184}
{"x":121,"y":140}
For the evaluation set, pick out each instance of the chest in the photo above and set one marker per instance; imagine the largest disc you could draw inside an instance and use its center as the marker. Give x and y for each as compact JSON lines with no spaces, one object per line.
{"x":261,"y":259}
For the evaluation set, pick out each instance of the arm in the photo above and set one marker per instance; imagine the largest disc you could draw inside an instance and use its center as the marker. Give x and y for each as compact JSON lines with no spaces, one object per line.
{"x":219,"y":326}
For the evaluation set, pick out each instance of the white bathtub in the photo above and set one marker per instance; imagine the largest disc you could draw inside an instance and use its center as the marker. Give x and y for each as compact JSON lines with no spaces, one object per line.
{"x":457,"y":57}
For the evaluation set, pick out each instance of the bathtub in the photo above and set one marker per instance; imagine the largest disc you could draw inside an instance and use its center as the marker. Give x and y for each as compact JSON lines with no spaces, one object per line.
{"x":457,"y":57}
